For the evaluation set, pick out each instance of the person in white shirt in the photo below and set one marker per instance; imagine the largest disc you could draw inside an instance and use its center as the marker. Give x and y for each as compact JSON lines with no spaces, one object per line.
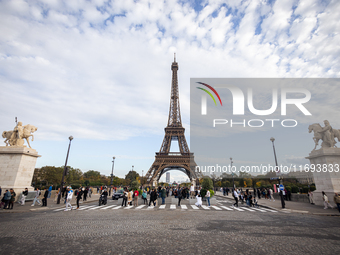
{"x":69,"y":198}
{"x":236,"y":198}
{"x":192,"y":191}
{"x":207,"y":195}
{"x":199,"y":201}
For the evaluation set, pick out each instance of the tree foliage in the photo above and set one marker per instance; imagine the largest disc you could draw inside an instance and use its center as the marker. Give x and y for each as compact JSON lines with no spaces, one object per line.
{"x":207,"y":183}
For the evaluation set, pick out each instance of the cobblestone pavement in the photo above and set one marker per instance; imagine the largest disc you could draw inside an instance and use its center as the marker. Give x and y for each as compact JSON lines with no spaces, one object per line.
{"x":157,"y":231}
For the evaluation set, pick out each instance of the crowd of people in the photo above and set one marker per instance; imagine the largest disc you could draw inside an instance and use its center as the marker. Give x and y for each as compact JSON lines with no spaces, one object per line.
{"x":151,"y":195}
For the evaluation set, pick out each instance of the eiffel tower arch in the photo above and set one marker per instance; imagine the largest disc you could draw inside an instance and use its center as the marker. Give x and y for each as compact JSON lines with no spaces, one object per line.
{"x":164,"y":159}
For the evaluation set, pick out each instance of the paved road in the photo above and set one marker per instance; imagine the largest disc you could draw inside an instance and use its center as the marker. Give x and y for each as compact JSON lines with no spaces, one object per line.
{"x":167,"y":231}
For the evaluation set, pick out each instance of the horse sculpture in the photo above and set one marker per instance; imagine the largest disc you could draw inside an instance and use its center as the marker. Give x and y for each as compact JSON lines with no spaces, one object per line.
{"x":319,"y":133}
{"x":26,"y":134}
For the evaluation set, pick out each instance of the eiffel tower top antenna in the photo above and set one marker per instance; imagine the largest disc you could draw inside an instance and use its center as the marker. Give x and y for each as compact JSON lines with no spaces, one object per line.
{"x":174,"y":110}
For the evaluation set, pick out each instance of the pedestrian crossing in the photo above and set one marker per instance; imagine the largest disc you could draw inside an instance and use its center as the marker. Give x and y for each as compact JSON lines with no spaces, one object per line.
{"x":171,"y":207}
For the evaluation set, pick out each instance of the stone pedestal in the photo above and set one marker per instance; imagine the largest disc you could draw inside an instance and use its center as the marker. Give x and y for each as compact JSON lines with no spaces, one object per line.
{"x":327,"y":178}
{"x":17,"y":166}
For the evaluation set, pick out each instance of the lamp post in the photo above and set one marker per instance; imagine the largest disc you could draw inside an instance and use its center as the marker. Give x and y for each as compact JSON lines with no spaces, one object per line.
{"x":272,"y":139}
{"x":232,"y":174}
{"x":65,"y":170}
{"x":113,"y":162}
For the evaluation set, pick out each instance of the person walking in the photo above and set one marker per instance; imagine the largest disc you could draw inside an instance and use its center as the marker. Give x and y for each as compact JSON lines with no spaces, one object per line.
{"x":179,"y":195}
{"x":135,"y":198}
{"x":69,"y":198}
{"x":36,"y":198}
{"x":23,"y":196}
{"x":271,"y":196}
{"x":153,"y":197}
{"x":44,"y":200}
{"x":79,"y":195}
{"x":325,"y":201}
{"x":145,"y":197}
{"x":236,"y":198}
{"x":310,"y":196}
{"x":207,"y":195}
{"x":90,"y":192}
{"x":192,"y":191}
{"x":337,"y":200}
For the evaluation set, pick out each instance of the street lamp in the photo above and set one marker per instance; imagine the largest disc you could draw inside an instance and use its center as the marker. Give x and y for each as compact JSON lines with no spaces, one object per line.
{"x":272,"y":139}
{"x":232,"y":174}
{"x":65,"y":170}
{"x":113,"y":162}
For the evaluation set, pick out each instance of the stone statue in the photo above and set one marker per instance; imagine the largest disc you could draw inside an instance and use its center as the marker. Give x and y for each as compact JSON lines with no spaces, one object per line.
{"x":17,"y":136}
{"x":327,"y":134}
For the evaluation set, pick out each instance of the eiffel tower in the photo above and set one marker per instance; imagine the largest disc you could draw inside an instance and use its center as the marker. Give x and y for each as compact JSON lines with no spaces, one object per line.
{"x":164,"y":159}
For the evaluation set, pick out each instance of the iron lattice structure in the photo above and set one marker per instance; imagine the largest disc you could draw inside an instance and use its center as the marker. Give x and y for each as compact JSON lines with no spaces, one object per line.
{"x":164,"y":159}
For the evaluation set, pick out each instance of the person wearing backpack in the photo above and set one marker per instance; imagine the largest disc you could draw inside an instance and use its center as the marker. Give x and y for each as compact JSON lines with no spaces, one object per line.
{"x":145,"y":197}
{"x":7,"y":199}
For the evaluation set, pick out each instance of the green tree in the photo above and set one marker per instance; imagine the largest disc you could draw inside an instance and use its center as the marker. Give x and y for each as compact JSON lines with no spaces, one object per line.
{"x":131,"y":176}
{"x":207,"y":183}
{"x":135,"y":184}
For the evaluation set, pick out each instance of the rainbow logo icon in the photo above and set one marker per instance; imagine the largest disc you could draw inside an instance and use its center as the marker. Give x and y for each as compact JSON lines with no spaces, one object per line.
{"x":209,"y":93}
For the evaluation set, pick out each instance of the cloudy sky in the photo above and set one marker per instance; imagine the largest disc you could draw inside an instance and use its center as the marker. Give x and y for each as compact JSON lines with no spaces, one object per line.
{"x":100,"y":70}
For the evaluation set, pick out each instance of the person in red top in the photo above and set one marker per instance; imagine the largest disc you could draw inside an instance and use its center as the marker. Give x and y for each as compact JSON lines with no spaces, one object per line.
{"x":135,"y":199}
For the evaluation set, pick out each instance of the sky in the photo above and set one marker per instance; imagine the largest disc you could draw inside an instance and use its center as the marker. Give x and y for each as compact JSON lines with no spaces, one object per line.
{"x":101,"y":70}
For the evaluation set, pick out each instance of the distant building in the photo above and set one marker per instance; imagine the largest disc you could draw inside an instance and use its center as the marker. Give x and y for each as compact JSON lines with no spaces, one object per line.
{"x":167,"y":177}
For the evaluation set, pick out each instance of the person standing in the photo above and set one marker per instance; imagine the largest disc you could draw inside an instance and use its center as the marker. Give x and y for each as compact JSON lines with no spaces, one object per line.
{"x":135,"y":198}
{"x":0,"y":191}
{"x":84,"y":191}
{"x":192,"y":191}
{"x":11,"y":202}
{"x":36,"y":198}
{"x":207,"y":195}
{"x":236,"y":198}
{"x":56,"y":195}
{"x":271,"y":195}
{"x":325,"y":201}
{"x":310,"y":196}
{"x":179,"y":195}
{"x":50,"y":191}
{"x":125,"y":195}
{"x":79,"y":194}
{"x":7,"y":198}
{"x":44,"y":200}
{"x":337,"y":200}
{"x":163,"y":195}
{"x":145,"y":197}
{"x":69,"y":198}
{"x":129,"y":198}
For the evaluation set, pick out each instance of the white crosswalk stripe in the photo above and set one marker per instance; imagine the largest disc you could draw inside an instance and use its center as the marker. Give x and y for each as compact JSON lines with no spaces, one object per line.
{"x":257,"y":209}
{"x":227,"y":208}
{"x":107,"y":207}
{"x":266,"y":209}
{"x":85,"y":207}
{"x":59,"y":209}
{"x":173,"y":207}
{"x":246,"y":208}
{"x":215,"y":207}
{"x":238,"y":209}
{"x":140,"y":207}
